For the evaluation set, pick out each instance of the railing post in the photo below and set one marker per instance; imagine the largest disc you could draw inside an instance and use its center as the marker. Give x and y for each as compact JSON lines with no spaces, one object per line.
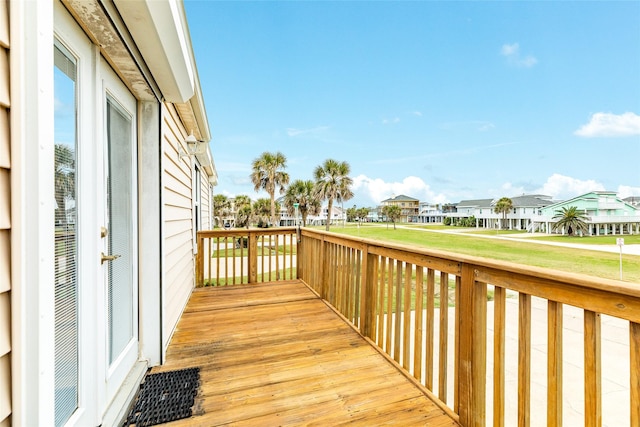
{"x":253,"y":257}
{"x":299,"y":256}
{"x":324,"y":268}
{"x":367,"y":296}
{"x":472,"y":352}
{"x":200,"y":260}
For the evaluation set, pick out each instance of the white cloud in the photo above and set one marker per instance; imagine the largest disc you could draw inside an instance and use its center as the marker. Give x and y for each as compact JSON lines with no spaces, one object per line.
{"x":625,"y":191}
{"x":377,"y":190}
{"x":417,"y":113}
{"x":510,"y":49}
{"x":392,"y":121}
{"x":512,"y":53}
{"x":293,"y":132}
{"x":566,"y":187}
{"x":611,"y":125}
{"x":560,"y":187}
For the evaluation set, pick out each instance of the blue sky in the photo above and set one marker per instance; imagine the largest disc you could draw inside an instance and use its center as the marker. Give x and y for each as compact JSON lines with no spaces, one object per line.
{"x":441,"y":101}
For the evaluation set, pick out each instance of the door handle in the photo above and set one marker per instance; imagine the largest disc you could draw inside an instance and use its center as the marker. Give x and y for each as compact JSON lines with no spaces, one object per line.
{"x":104,"y":257}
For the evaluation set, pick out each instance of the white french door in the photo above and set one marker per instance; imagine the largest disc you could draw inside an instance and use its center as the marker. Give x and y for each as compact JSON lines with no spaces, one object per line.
{"x":119,"y":256}
{"x":95,"y":241}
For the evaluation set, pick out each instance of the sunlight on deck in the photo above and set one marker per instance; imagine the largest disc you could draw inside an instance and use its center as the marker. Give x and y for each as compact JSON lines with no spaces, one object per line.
{"x":276,"y":354}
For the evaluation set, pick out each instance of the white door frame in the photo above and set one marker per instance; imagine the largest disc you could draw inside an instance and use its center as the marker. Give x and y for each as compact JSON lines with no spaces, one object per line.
{"x":98,"y":382}
{"x":117,"y":92}
{"x":69,"y":34}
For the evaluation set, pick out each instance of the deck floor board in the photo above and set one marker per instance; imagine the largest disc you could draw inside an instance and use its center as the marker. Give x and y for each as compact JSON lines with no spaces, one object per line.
{"x":276,"y":354}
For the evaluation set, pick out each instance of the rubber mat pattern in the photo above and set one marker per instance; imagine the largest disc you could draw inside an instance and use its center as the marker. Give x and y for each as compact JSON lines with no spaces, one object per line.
{"x":165,"y":397}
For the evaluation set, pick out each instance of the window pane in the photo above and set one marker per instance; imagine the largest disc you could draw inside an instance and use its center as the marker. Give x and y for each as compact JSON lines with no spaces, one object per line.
{"x":120,"y":208}
{"x":65,"y":255}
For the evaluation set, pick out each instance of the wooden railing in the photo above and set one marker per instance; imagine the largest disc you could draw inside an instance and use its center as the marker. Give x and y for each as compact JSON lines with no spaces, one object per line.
{"x":395,"y":295}
{"x":238,"y":256}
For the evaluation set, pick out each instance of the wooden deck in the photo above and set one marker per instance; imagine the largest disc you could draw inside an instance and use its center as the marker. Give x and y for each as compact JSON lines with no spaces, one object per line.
{"x":276,"y":354}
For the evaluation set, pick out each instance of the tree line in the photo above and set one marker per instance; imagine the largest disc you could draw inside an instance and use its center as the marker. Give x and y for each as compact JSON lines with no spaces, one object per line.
{"x":333,"y":184}
{"x":268,"y":172}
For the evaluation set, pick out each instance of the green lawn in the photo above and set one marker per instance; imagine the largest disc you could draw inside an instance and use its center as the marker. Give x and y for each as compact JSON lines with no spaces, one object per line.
{"x":594,"y":263}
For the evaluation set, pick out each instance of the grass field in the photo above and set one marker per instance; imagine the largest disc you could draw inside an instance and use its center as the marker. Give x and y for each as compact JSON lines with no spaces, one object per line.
{"x":591,"y":262}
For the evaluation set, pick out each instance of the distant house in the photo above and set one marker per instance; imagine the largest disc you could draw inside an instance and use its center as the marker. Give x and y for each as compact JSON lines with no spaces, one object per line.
{"x":338,"y":216}
{"x":633,"y":200}
{"x":606,"y":214}
{"x":409,"y":207}
{"x":105,"y":177}
{"x":430,"y":213}
{"x":526,"y":209}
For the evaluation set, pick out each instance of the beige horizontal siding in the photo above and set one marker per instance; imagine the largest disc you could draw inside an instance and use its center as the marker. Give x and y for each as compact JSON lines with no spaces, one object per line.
{"x":5,"y":199}
{"x":204,"y":202}
{"x":178,"y":226}
{"x":4,"y":82}
{"x":5,"y":157}
{"x":5,"y":221}
{"x":5,"y":260}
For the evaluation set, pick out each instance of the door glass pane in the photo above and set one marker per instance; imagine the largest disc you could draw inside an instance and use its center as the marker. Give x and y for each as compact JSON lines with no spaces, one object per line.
{"x":120,"y":215}
{"x":65,"y":246}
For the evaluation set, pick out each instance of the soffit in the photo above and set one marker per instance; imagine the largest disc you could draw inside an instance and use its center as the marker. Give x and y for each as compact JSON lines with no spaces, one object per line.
{"x":100,"y":28}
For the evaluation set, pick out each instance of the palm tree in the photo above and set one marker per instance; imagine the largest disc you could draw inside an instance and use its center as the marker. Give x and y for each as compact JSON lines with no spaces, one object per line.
{"x":64,"y":179}
{"x":362,"y":213}
{"x":302,"y":192}
{"x":503,"y":206}
{"x":221,"y":207}
{"x":268,"y":174}
{"x":243,"y":210}
{"x":333,"y":183}
{"x":570,"y":219}
{"x":392,"y":212}
{"x":261,"y":210}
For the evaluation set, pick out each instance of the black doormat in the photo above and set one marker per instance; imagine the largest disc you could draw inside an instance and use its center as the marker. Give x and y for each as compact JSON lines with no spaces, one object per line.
{"x":164,"y":397}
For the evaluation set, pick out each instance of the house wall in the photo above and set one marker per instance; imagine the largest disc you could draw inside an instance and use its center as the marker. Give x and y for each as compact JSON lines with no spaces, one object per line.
{"x":177,"y":222}
{"x":205,"y":202}
{"x":5,"y":222}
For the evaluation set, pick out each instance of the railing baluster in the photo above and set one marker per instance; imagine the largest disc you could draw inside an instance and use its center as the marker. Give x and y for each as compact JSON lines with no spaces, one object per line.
{"x":554,"y":363}
{"x":417,"y":354}
{"x":226,"y":260}
{"x":398,"y":312}
{"x":592,"y":370}
{"x":262,"y":250}
{"x":382,"y":288}
{"x":456,"y":343}
{"x":344,"y":281}
{"x":634,"y":372}
{"x":371,"y":294}
{"x":524,"y":360}
{"x":499,"y":330}
{"x":243,"y":251}
{"x":290,"y":257}
{"x":235,"y":239}
{"x":390,"y":281}
{"x":444,"y":336}
{"x":218,"y":261}
{"x":430,"y":336}
{"x":210,"y":259}
{"x":276,"y":253}
{"x":406,"y":317}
